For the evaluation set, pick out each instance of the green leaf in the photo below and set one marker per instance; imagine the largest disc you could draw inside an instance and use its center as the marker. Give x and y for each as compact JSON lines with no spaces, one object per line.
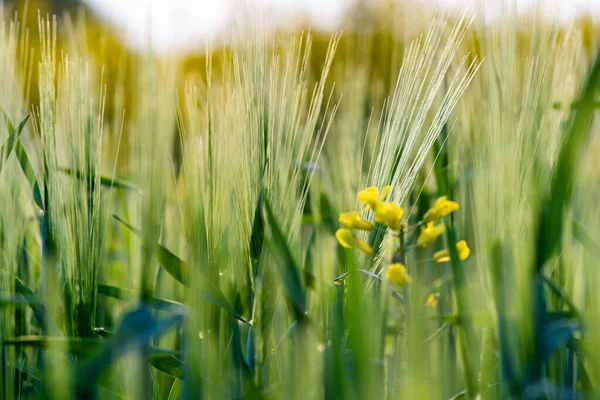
{"x":376,"y":236}
{"x":73,"y":344}
{"x":585,"y":239}
{"x":176,"y":389}
{"x":440,"y":166}
{"x":29,"y":172}
{"x":13,"y":136}
{"x":460,"y":395}
{"x":562,"y":295}
{"x":39,"y":311}
{"x":438,"y":332}
{"x":309,"y":278}
{"x":466,"y":335}
{"x":551,"y":218}
{"x":168,"y":364}
{"x":128,"y":295}
{"x":258,"y":234}
{"x":500,"y":264}
{"x":328,"y":217}
{"x":239,"y":362}
{"x":288,"y":268}
{"x":104,"y":181}
{"x":14,"y":142}
{"x":178,"y":269}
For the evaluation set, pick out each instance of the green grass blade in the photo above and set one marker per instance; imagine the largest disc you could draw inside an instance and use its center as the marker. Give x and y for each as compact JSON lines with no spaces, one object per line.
{"x":244,"y":369}
{"x":72,"y":344}
{"x":168,"y":364}
{"x":440,"y":166}
{"x":13,"y":137}
{"x":176,"y":390}
{"x":287,"y":266}
{"x":258,"y":234}
{"x":178,"y":269}
{"x":555,"y":288}
{"x":29,"y":172}
{"x":39,"y":311}
{"x":104,"y":181}
{"x":13,"y":142}
{"x":551,"y":216}
{"x":328,"y":217}
{"x":585,"y":239}
{"x":550,"y":221}
{"x":466,"y":337}
{"x":129,"y":295}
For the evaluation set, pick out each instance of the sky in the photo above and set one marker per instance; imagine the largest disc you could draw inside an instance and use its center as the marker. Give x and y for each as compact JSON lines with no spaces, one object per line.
{"x":181,"y":24}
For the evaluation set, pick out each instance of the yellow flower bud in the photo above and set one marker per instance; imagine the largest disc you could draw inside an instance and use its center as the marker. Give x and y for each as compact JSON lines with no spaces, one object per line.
{"x":397,"y":274}
{"x":432,"y":300}
{"x":444,"y":256}
{"x":463,"y":250}
{"x":346,"y":239}
{"x":442,"y":207}
{"x":352,"y":220}
{"x":429,"y":233}
{"x":371,"y":197}
{"x":389,"y":214}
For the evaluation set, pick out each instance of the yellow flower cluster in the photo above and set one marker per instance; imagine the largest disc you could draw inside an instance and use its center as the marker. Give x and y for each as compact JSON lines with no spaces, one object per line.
{"x":390,"y":215}
{"x":387,"y":213}
{"x":430,"y":231}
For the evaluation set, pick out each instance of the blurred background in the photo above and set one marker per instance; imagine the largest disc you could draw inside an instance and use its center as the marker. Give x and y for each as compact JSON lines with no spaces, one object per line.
{"x":182,"y":25}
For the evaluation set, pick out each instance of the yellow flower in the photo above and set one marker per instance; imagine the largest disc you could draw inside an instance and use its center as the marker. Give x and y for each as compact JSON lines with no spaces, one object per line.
{"x":432,"y":300}
{"x":353,"y":220}
{"x":371,"y":197}
{"x":397,"y":274}
{"x":463,"y":253}
{"x":441,"y":208}
{"x":389,"y":214}
{"x":463,"y":250}
{"x":429,"y":233}
{"x":346,"y":239}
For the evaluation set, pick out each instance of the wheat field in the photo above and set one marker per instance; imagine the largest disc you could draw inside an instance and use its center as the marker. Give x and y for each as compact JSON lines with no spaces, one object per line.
{"x":408,"y":208}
